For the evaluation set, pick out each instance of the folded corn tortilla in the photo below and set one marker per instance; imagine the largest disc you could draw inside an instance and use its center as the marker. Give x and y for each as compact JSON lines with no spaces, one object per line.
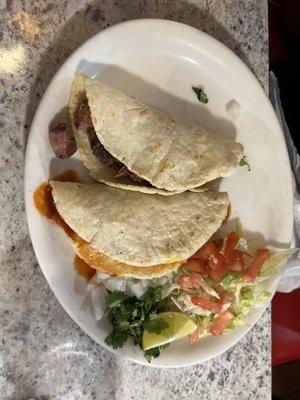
{"x":171,"y":154}
{"x":139,"y":229}
{"x":112,"y":267}
{"x":96,"y":168}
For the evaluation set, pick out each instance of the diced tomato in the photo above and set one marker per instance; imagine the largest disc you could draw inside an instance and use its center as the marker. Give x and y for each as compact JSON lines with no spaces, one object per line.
{"x":220,"y":323}
{"x":236,"y":260}
{"x":207,"y":303}
{"x":190,"y":281}
{"x":195,"y":265}
{"x":206,"y":251}
{"x":214,"y":262}
{"x":217,"y":262}
{"x":232,"y":240}
{"x":194,"y":337}
{"x":236,"y":265}
{"x":218,"y":243}
{"x":218,"y":274}
{"x":237,"y":255}
{"x":253,"y":270}
{"x":226,"y":295}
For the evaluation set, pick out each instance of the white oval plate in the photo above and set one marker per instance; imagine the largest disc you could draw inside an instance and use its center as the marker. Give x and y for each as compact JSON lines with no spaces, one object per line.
{"x":158,"y":61}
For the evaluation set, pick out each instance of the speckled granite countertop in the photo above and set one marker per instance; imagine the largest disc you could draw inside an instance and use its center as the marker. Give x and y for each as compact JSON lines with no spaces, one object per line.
{"x":43,"y":354}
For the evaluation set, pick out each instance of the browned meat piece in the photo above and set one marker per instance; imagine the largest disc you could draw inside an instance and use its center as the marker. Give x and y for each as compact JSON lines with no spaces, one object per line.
{"x":98,"y":150}
{"x":83,"y":116}
{"x":83,"y":120}
{"x":124,"y":171}
{"x":135,"y":178}
{"x":62,"y":140}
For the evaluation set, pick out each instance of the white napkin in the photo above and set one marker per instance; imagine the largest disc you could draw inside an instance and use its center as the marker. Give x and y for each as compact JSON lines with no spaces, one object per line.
{"x":290,"y":279}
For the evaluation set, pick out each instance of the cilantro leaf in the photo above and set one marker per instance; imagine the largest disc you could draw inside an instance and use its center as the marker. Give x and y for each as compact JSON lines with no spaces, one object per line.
{"x":151,"y":297}
{"x":154,"y":352}
{"x":122,"y":323}
{"x":129,"y":316}
{"x":201,"y":95}
{"x":116,"y":339}
{"x":137,"y":340}
{"x":155,"y":324}
{"x":114,"y":299}
{"x":244,"y":162}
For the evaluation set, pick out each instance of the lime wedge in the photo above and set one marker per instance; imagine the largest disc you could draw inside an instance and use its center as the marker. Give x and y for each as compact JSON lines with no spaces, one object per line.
{"x":180,"y":325}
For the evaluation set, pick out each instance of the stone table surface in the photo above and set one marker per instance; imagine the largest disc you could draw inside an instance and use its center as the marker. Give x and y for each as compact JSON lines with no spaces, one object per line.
{"x":43,"y":354}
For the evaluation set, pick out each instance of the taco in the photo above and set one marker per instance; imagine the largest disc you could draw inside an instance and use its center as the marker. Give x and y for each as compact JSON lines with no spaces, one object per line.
{"x":127,"y":144}
{"x":135,"y":234}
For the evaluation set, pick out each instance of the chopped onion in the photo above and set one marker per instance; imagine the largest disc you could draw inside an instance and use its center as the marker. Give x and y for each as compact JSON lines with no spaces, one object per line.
{"x":97,"y":301}
{"x":154,"y":282}
{"x":102,"y":276}
{"x":90,"y":287}
{"x":161,"y":281}
{"x":118,"y":284}
{"x":170,"y":276}
{"x":137,"y":289}
{"x":233,"y":109}
{"x":93,"y":282}
{"x":145,"y":283}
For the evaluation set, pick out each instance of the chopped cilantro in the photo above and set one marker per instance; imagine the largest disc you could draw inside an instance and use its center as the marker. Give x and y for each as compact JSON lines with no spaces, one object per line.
{"x":129,"y":316}
{"x":244,"y":162}
{"x":155,"y":352}
{"x":113,"y":299}
{"x":155,"y":324}
{"x":201,"y":95}
{"x":116,"y":339}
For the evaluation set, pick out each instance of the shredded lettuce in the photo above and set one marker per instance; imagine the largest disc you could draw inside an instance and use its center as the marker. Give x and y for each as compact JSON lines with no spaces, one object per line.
{"x":227,"y":280}
{"x":252,"y":294}
{"x":203,"y":322}
{"x":208,"y":289}
{"x":183,"y":302}
{"x":170,"y":289}
{"x":275,"y":265}
{"x":247,"y":294}
{"x":248,"y":300}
